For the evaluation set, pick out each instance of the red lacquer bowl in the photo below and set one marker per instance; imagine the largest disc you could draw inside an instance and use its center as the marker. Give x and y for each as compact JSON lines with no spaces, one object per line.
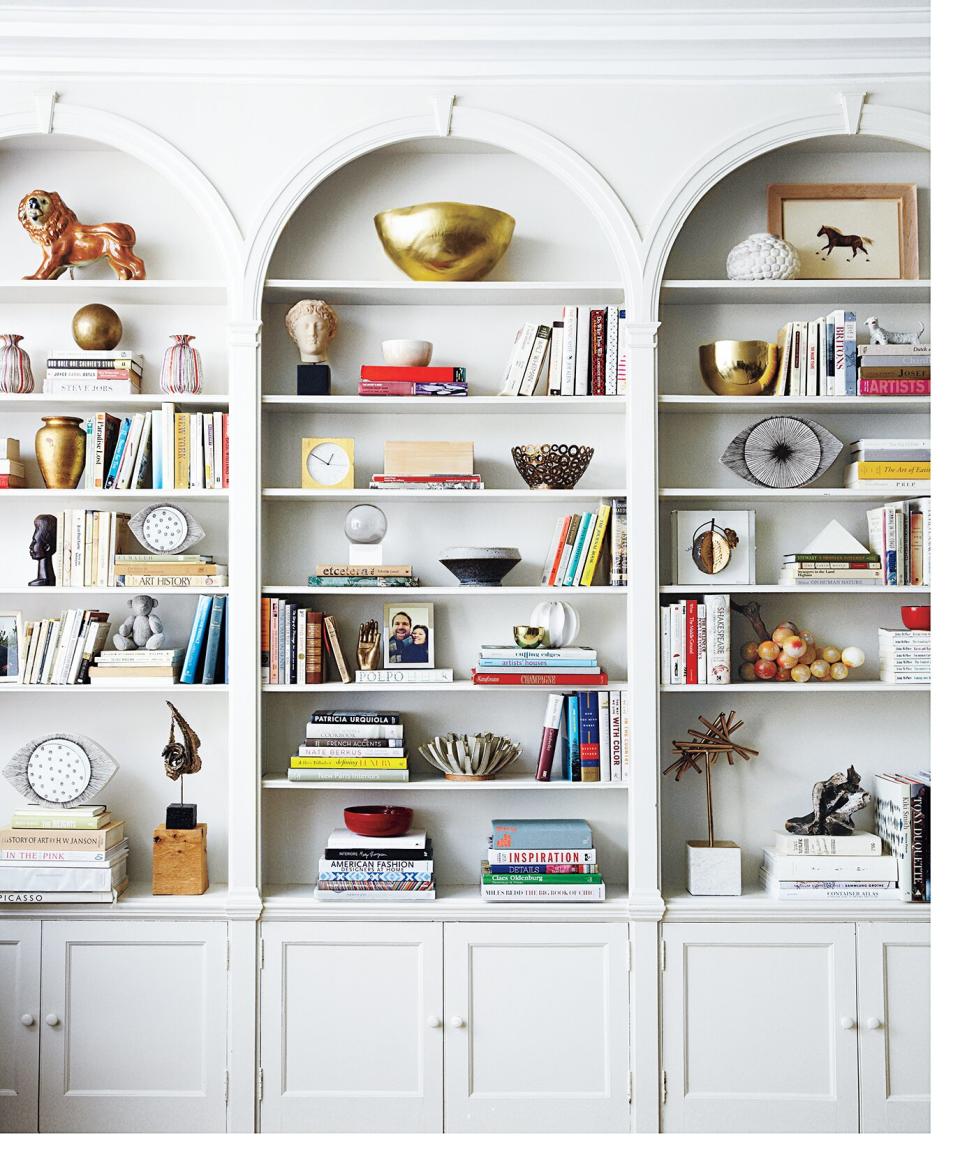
{"x":378,"y":820}
{"x":916,"y":616}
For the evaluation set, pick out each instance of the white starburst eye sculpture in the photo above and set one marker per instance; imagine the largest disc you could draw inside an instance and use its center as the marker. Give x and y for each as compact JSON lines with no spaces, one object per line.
{"x":61,"y":769}
{"x":782,"y":452}
{"x":166,"y":529}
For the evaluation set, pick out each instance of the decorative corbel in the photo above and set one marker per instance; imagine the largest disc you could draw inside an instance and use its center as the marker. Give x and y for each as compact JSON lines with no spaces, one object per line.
{"x":851,"y":104}
{"x":45,"y":103}
{"x":443,"y":113}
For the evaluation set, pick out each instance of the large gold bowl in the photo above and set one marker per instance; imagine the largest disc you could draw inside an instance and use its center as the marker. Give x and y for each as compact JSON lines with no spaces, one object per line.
{"x":738,"y":367}
{"x":445,"y":240}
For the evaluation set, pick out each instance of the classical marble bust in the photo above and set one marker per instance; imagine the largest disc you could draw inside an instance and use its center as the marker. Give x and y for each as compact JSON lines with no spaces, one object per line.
{"x":312,"y":324}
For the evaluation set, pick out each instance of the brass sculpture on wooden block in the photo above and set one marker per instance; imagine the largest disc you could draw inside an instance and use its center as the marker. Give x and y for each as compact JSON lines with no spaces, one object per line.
{"x":180,"y":845}
{"x":66,"y":243}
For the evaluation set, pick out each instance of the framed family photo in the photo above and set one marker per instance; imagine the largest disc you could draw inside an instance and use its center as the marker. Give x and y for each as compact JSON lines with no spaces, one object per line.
{"x":11,"y":647}
{"x":408,"y":640}
{"x":848,"y":231}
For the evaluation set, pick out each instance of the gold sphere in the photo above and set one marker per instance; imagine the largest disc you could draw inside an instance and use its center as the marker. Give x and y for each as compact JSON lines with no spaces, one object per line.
{"x":738,"y":367}
{"x":97,"y":328}
{"x":445,"y":240}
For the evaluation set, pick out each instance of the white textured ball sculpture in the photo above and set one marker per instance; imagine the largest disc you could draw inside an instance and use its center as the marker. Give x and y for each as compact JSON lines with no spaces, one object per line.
{"x":763,"y":256}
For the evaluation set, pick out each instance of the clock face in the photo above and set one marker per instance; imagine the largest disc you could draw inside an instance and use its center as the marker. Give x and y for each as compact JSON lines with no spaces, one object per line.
{"x":58,"y":771}
{"x":164,"y":528}
{"x":328,"y":464}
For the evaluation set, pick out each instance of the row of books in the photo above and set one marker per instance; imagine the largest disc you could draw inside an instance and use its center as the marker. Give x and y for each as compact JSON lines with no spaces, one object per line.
{"x":163,"y":449}
{"x":186,"y":570}
{"x":899,"y":536}
{"x":396,"y":869}
{"x":88,"y":542}
{"x":891,"y":463}
{"x":905,"y":656}
{"x":344,"y":745}
{"x":205,"y":657}
{"x":902,"y":813}
{"x":53,"y":855}
{"x":538,"y":667}
{"x":893,"y":370}
{"x":297,"y":644}
{"x":363,"y":576}
{"x":818,"y":357}
{"x":593,"y":729}
{"x":834,"y":868}
{"x":695,"y":640}
{"x":80,"y":372}
{"x":392,"y":380}
{"x":542,"y":861}
{"x":61,"y":650}
{"x":158,"y":667}
{"x":577,"y":547}
{"x":581,"y":354}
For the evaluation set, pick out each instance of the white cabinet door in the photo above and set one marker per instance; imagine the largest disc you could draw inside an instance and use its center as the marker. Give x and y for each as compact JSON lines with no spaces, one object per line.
{"x":134,"y":1027}
{"x":759,"y":1028}
{"x":893,"y":965}
{"x":19,"y":1024}
{"x":351,"y":1032}
{"x":536,"y":1028}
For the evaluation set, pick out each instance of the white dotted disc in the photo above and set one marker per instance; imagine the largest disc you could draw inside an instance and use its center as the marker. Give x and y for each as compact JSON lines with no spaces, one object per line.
{"x":165,"y":528}
{"x":58,"y":771}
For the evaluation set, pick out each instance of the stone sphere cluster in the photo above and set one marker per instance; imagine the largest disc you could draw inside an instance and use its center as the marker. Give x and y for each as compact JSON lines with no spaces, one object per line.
{"x":763,"y":256}
{"x":792,"y":654}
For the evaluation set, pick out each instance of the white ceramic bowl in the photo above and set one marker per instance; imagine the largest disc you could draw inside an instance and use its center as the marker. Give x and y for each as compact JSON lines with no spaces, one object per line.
{"x":407,"y":353}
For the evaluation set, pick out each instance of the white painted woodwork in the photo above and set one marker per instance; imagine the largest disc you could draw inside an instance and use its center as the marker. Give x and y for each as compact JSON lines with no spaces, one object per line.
{"x":537,"y":1028}
{"x":19,"y":1024}
{"x":351,"y":1028}
{"x":139,"y":1042}
{"x":759,"y":1028}
{"x":893,"y":981}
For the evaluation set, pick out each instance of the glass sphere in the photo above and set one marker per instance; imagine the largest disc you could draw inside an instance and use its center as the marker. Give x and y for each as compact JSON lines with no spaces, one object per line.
{"x":365,"y":524}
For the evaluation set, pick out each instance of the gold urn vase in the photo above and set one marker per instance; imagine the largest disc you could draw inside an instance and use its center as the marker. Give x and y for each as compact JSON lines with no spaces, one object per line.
{"x":61,"y":450}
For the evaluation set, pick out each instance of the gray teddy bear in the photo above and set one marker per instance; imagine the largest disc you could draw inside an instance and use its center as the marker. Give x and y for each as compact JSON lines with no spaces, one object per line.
{"x":142,"y":628}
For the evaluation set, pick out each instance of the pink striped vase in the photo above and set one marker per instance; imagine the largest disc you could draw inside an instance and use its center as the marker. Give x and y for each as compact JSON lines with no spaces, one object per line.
{"x":16,"y":375}
{"x":181,"y":373}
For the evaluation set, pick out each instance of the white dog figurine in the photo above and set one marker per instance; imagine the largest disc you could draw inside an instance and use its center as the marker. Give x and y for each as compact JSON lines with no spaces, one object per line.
{"x":880,"y":335}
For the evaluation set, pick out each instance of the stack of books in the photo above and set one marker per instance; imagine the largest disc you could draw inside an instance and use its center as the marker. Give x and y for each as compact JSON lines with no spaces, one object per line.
{"x":594,"y":737}
{"x":577,"y":548}
{"x":159,"y":449}
{"x":427,"y":465}
{"x":695,"y":640}
{"x":363,"y":576}
{"x":62,"y":856}
{"x":900,"y":533}
{"x":833,"y":556}
{"x":538,"y":667}
{"x":584,"y":353}
{"x":392,"y":380}
{"x":205,"y":659}
{"x":836,"y":868}
{"x":894,"y":370}
{"x":352,"y":745}
{"x":62,"y":650}
{"x":897,"y":463}
{"x":88,"y":541}
{"x":81,"y":372}
{"x":12,"y":472}
{"x":298,"y":644}
{"x":818,"y":357}
{"x":902,"y":814}
{"x":147,"y":570}
{"x":549,"y":861}
{"x":904,"y":656}
{"x":391,"y":868}
{"x":159,"y":667}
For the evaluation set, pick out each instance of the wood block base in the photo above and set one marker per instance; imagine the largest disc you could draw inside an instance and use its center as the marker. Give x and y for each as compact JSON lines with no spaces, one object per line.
{"x":180,"y":861}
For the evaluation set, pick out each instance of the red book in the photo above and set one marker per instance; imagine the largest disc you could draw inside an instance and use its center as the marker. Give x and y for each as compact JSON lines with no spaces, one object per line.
{"x":12,"y":482}
{"x":559,"y":552}
{"x":540,"y":679}
{"x":435,"y":375}
{"x":690,"y":634}
{"x":598,"y":351}
{"x":548,"y":742}
{"x":381,"y":478}
{"x":893,"y":387}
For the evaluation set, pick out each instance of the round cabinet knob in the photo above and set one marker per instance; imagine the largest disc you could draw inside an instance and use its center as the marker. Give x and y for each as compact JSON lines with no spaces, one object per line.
{"x":458,"y":1022}
{"x":873,"y":1023}
{"x":53,"y":1019}
{"x":846,"y":1022}
{"x":27,"y":1020}
{"x":434,"y":1021}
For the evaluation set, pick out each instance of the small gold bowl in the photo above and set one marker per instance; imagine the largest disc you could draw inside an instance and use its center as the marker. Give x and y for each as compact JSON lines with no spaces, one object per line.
{"x":445,"y":240}
{"x":738,"y":367}
{"x":527,"y":636}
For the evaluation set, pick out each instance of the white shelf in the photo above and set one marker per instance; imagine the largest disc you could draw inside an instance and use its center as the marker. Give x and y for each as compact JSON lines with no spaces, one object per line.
{"x":755,"y":905}
{"x":795,"y":590}
{"x":695,"y":405}
{"x":791,"y":686}
{"x":541,"y":590}
{"x":84,"y":689}
{"x":137,"y":903}
{"x":503,"y":292}
{"x":452,"y":686}
{"x":113,"y":292}
{"x":456,"y":495}
{"x":449,"y":405}
{"x":93,"y":593}
{"x":98,"y":403}
{"x":437,"y":784}
{"x":114,"y":495}
{"x":795,"y":291}
{"x":809,"y":495}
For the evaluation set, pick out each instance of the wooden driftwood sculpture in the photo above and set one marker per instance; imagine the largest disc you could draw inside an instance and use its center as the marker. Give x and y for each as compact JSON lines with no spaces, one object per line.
{"x":834,"y":802}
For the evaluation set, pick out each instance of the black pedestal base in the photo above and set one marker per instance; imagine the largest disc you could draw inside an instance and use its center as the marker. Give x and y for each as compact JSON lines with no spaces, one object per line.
{"x":313,"y":379}
{"x":181,"y":815}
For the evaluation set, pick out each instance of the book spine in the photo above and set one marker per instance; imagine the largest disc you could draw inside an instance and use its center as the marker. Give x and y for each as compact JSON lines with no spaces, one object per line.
{"x":588,"y":708}
{"x":555,"y":368}
{"x":598,"y":368}
{"x":519,"y":358}
{"x":677,"y":643}
{"x":550,"y":878}
{"x":110,"y":479}
{"x":611,"y":350}
{"x":718,"y":638}
{"x":579,"y":544}
{"x":621,"y":352}
{"x":538,"y":355}
{"x":573,"y":772}
{"x":517,"y":893}
{"x":602,"y":518}
{"x":392,"y":373}
{"x":536,"y":679}
{"x":665,"y":649}
{"x":192,"y":659}
{"x":690,"y":658}
{"x":553,"y":553}
{"x":603,"y":703}
{"x":573,"y":527}
{"x":581,"y":383}
{"x":568,"y":375}
{"x":548,"y":740}
{"x":543,"y":858}
{"x":214,"y":633}
{"x":701,"y":643}
{"x":616,"y":736}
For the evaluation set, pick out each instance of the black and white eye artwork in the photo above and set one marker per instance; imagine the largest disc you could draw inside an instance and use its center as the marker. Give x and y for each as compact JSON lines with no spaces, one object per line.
{"x":782,"y":452}
{"x":61,"y":769}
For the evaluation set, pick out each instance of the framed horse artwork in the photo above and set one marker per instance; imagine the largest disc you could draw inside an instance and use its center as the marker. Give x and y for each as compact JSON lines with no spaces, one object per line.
{"x":848,"y":231}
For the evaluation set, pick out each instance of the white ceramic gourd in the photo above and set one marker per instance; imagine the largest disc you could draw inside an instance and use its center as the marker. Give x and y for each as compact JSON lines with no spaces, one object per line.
{"x":559,"y":620}
{"x":763,"y":256}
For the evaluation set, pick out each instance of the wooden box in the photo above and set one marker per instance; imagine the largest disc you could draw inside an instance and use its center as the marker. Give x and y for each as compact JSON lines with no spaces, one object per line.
{"x":180,"y":861}
{"x":428,"y":457}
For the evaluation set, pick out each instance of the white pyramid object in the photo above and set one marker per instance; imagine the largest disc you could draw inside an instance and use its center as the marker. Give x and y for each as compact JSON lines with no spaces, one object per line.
{"x":834,"y":540}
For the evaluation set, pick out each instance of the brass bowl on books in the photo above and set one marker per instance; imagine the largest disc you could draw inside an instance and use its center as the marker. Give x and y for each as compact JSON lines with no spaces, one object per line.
{"x":738,"y":367}
{"x":445,"y":240}
{"x":476,"y":758}
{"x":551,"y":465}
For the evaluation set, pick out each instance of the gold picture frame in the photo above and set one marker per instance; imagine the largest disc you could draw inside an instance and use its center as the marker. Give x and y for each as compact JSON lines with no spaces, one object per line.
{"x":848,"y":231}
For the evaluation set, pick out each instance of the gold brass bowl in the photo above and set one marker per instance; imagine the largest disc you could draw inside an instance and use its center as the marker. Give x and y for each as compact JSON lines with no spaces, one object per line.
{"x":445,"y":240}
{"x":738,"y":367}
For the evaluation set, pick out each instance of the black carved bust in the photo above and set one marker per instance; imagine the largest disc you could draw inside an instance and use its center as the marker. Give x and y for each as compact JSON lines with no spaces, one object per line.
{"x":42,"y":547}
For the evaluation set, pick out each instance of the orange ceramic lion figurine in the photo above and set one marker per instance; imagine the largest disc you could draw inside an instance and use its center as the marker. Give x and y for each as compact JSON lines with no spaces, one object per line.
{"x":68,"y":243}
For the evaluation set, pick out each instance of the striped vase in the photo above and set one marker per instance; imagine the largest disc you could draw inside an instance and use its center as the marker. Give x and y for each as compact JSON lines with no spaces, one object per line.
{"x":16,"y":375}
{"x":181,"y":372}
